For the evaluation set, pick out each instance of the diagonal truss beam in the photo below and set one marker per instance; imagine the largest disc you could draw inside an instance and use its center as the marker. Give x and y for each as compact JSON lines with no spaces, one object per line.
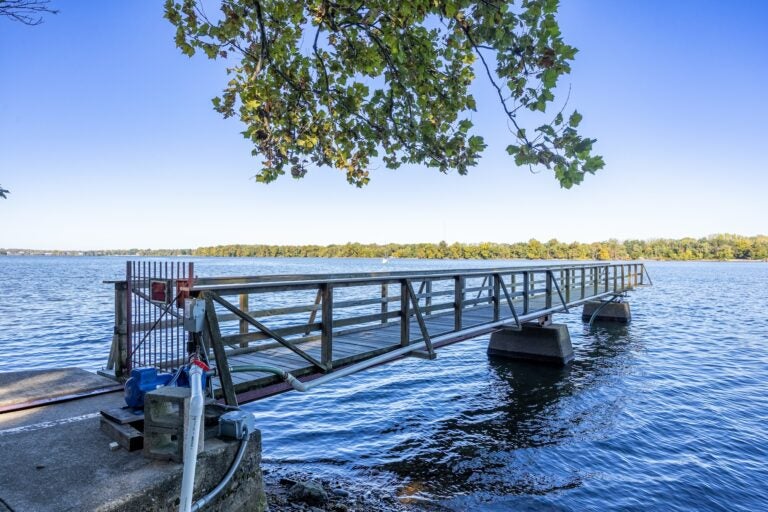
{"x":266,"y":330}
{"x":559,"y":293}
{"x":419,"y":318}
{"x":509,"y":299}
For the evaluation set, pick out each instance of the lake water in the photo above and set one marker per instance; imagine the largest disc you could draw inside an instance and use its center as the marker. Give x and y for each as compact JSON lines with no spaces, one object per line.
{"x":668,"y":413}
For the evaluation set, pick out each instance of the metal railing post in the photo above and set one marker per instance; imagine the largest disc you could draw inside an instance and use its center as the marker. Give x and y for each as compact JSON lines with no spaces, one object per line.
{"x":384,"y":302}
{"x":567,"y":285}
{"x":405,"y":314}
{"x":496,"y":297}
{"x":458,"y":301}
{"x":243,"y":324}
{"x":548,"y":289}
{"x":607,"y":277}
{"x":595,"y":276}
{"x":428,"y":301}
{"x":326,"y":333}
{"x":526,"y":293}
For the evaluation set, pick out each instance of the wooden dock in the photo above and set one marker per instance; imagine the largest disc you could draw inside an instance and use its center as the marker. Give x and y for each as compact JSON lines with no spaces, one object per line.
{"x":315,"y":325}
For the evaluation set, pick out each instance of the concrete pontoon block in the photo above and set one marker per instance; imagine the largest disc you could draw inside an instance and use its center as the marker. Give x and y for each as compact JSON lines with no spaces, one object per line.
{"x":547,"y":344}
{"x":611,"y":312}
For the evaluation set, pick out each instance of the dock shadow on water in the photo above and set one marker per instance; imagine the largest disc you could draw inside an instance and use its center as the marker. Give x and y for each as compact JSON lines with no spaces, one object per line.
{"x":463,"y":432}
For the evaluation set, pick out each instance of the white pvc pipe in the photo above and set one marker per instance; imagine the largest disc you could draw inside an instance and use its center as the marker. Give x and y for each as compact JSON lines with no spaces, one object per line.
{"x":192,"y":438}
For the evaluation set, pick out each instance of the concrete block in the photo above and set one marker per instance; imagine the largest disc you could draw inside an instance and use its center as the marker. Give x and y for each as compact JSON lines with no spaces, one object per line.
{"x":547,"y":344}
{"x":166,"y":415}
{"x":611,"y":312}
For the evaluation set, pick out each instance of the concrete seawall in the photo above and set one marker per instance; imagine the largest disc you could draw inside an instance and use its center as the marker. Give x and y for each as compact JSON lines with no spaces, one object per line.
{"x":56,"y":458}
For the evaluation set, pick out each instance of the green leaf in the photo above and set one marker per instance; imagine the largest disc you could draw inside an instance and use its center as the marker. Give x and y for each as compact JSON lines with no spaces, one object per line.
{"x":549,"y":78}
{"x":574,"y":120}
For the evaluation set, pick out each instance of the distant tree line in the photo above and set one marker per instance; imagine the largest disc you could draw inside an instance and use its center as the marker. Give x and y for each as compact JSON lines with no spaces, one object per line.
{"x":99,"y":252}
{"x":715,"y":247}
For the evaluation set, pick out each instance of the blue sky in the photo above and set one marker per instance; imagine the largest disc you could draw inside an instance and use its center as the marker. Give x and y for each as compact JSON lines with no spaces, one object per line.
{"x":108,"y":140}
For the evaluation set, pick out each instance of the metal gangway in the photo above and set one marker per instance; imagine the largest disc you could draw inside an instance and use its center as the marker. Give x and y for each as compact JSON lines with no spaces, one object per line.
{"x":314,"y":326}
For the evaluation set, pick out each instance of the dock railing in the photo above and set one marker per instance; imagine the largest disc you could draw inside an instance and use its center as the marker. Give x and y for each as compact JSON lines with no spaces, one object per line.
{"x":255,"y":313}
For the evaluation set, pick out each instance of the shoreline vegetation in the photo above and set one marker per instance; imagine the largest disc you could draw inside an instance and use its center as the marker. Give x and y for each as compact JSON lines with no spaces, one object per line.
{"x":722,"y":247}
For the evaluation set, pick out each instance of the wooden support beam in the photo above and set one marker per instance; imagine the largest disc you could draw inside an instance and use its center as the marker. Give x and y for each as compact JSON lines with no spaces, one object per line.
{"x":125,"y":435}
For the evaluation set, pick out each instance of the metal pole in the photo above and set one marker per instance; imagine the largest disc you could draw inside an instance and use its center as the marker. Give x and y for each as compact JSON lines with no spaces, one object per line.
{"x":458,"y":302}
{"x":405,"y":314}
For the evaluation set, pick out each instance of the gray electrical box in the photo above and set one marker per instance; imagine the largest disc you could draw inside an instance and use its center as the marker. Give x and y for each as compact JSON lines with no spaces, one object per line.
{"x":235,"y":424}
{"x":194,"y":314}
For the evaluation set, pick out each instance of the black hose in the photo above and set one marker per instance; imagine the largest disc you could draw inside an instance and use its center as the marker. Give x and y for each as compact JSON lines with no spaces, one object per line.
{"x":199,"y":504}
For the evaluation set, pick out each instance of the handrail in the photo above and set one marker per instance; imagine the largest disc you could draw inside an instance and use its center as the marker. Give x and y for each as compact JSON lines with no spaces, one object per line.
{"x":204,"y":281}
{"x":317,"y":280}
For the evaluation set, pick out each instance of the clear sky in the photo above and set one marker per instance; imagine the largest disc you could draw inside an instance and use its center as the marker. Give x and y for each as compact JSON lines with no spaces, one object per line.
{"x":108,"y":140}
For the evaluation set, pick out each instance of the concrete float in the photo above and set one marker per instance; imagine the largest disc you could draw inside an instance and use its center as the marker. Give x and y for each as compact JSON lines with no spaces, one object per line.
{"x":618,"y":312}
{"x":533,"y":342}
